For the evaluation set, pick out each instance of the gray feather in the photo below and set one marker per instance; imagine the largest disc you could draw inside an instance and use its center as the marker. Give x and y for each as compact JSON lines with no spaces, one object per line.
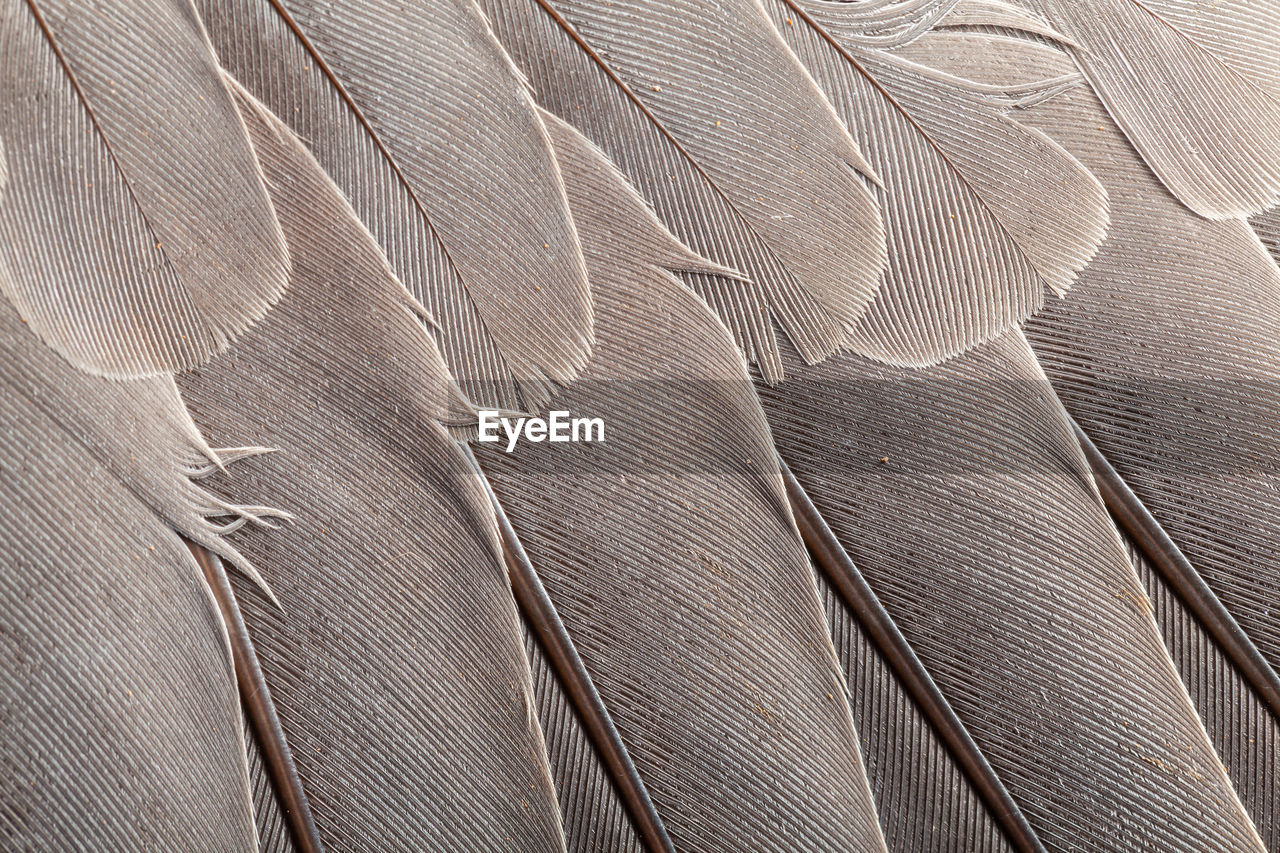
{"x":925,"y":802}
{"x":709,"y":649}
{"x":136,"y":231}
{"x":395,"y":660}
{"x":118,"y":709}
{"x":1243,"y":730}
{"x":460,"y":187}
{"x":757,"y":127}
{"x":1161,"y":68}
{"x":594,"y":818}
{"x":984,"y":216}
{"x":1167,"y":356}
{"x":984,"y":537}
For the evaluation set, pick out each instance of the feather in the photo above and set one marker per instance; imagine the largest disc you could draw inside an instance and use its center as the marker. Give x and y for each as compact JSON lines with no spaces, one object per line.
{"x":542,"y":619}
{"x":594,"y":817}
{"x":880,"y":628}
{"x":757,"y":132}
{"x":1188,"y":419}
{"x":925,"y":802}
{"x":1242,"y":34}
{"x":460,"y":188}
{"x":396,"y":662}
{"x":975,"y":14}
{"x":118,"y":708}
{"x":1244,"y":732}
{"x":413,"y":695}
{"x":1177,"y":78}
{"x":161,"y":456}
{"x":137,"y":233}
{"x":574,"y":83}
{"x":885,"y":25}
{"x":983,"y":215}
{"x":986,"y":541}
{"x":706,"y":648}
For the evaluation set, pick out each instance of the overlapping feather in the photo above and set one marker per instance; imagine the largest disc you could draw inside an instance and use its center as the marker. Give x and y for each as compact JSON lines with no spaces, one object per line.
{"x":742,"y":158}
{"x":984,"y":216}
{"x":1183,"y":82}
{"x":118,"y":709}
{"x":711,"y":652}
{"x":460,"y":188}
{"x":985,"y":539}
{"x":395,"y":659}
{"x":959,"y":490}
{"x":136,"y":231}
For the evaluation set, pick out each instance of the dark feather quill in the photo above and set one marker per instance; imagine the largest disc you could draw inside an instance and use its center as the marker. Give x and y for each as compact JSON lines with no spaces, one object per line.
{"x":395,"y":659}
{"x":710,"y":651}
{"x":986,"y":541}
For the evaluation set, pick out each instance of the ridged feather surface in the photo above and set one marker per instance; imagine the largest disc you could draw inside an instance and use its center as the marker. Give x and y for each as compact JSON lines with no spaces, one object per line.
{"x":729,"y":92}
{"x":886,"y":24}
{"x":1167,"y":356}
{"x":1243,"y":34}
{"x":1244,"y":733}
{"x":574,"y":83}
{"x":139,"y":430}
{"x":395,"y":662}
{"x":1179,"y":79}
{"x":983,"y":215}
{"x":118,"y":709}
{"x":273,"y":831}
{"x":925,"y":803}
{"x":137,"y":232}
{"x":972,"y":14}
{"x":257,"y":46}
{"x":595,"y":820}
{"x":471,"y":157}
{"x":670,"y":554}
{"x":962,"y":496}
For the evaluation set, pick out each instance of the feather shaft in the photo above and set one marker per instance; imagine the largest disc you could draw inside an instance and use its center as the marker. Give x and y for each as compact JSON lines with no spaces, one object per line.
{"x":853,"y":588}
{"x":540,"y":612}
{"x":1136,"y":520}
{"x":261,"y":711}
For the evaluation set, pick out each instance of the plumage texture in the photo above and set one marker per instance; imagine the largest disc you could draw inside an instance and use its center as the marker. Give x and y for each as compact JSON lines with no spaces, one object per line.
{"x":1244,"y":733}
{"x":925,"y":803}
{"x":160,"y":456}
{"x":710,"y":651}
{"x":882,"y":176}
{"x":999,"y":14}
{"x":594,"y":818}
{"x":136,"y":231}
{"x":984,"y":538}
{"x":1167,"y":356}
{"x":757,"y":126}
{"x":983,"y":215}
{"x":395,"y":661}
{"x":575,"y":84}
{"x":118,"y":711}
{"x":1170,"y":74}
{"x":470,"y":165}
